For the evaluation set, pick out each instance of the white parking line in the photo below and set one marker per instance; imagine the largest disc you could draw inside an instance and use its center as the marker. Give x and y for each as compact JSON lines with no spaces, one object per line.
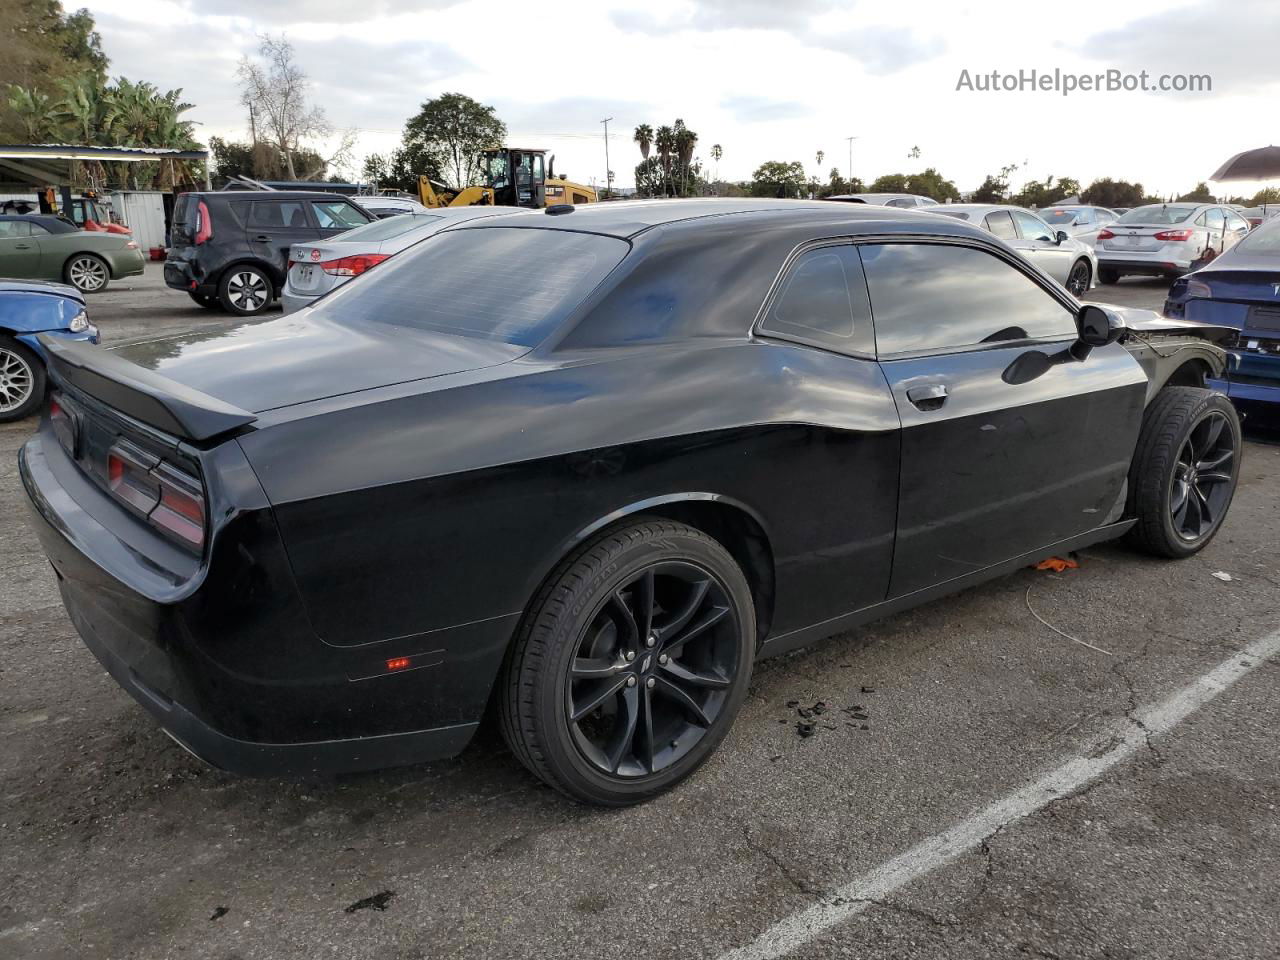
{"x":856,"y":896}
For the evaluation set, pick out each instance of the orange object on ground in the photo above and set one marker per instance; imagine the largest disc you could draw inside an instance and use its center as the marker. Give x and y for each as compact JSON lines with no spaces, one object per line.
{"x":1057,"y":564}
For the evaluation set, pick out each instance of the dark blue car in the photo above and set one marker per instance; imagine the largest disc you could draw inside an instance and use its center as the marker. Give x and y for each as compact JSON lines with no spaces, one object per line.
{"x":1240,"y":289}
{"x":28,"y":308}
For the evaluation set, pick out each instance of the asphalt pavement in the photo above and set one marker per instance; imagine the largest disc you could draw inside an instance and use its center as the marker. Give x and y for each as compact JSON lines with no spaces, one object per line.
{"x":1059,"y":765}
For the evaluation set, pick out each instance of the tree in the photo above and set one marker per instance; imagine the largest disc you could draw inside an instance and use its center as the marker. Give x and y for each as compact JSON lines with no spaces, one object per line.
{"x":776,"y":178}
{"x":685,"y":140}
{"x":819,"y":156}
{"x":644,"y":137}
{"x":1037,"y":194}
{"x":33,"y":112}
{"x":890,"y":183}
{"x":445,"y":137}
{"x":42,"y":47}
{"x":995,"y":189}
{"x":275,"y":90}
{"x":1268,"y":195}
{"x":1201,"y":194}
{"x":837,"y":185}
{"x":913,"y":153}
{"x":930,"y":183}
{"x":1106,"y":192}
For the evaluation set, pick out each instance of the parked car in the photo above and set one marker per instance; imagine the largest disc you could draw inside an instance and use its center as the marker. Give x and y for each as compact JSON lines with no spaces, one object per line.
{"x":1241,"y":289}
{"x":317,"y":268}
{"x":1079,"y":221}
{"x":1166,"y":239}
{"x":1256,"y":215}
{"x":230,"y":249}
{"x":29,"y":308}
{"x":905,"y":201}
{"x":390,"y":206}
{"x":590,"y":467}
{"x":44,"y":247}
{"x":1069,"y":261}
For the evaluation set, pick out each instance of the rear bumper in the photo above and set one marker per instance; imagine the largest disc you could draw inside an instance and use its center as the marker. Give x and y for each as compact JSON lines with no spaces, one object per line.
{"x":131,"y":263}
{"x":293,"y":302}
{"x":228,"y":665}
{"x":1129,"y":264}
{"x":1253,"y":377}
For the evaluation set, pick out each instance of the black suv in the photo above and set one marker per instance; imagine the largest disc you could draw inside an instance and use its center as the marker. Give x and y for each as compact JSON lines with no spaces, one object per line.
{"x":230,"y":249}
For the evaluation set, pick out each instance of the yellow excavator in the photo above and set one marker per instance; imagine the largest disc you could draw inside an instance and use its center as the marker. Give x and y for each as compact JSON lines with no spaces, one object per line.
{"x":514,"y":177}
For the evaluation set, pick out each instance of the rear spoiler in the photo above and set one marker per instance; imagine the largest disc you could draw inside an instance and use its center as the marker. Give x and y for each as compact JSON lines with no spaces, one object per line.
{"x":141,"y":393}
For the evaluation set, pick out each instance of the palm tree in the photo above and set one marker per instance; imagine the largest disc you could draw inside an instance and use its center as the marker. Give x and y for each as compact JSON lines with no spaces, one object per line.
{"x":35,"y":111}
{"x":820,"y":156}
{"x":665,"y":141}
{"x":644,"y":137}
{"x":685,"y":141}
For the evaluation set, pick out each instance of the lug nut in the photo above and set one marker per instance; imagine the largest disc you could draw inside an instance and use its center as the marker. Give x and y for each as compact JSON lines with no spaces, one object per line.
{"x":651,"y":640}
{"x":650,"y":683}
{"x":630,"y":655}
{"x":663,"y":658}
{"x":631,"y":681}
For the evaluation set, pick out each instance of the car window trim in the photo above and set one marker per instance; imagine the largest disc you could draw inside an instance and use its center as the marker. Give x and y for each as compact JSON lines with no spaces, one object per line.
{"x":1012,"y":259}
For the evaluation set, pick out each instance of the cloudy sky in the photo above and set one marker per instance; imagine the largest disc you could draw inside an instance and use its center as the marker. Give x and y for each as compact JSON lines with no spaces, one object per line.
{"x":766,"y":79}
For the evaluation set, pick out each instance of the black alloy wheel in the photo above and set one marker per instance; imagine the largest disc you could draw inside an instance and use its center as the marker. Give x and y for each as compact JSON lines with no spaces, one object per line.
{"x":1078,"y":279}
{"x":1184,"y":471}
{"x":630,"y":664}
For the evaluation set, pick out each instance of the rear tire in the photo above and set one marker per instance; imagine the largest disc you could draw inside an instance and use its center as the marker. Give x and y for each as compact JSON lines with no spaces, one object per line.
{"x":630,"y":665}
{"x":245,"y":290}
{"x":22,"y":380}
{"x":1184,"y":471}
{"x":1107,"y":276}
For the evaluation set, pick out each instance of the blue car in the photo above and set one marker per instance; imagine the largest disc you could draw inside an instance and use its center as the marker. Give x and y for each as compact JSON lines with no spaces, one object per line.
{"x":28,"y":308}
{"x":1240,"y":289}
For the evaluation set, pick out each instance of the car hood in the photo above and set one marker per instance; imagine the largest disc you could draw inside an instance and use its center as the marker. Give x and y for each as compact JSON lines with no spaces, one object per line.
{"x":41,"y":286}
{"x":1148,"y":321}
{"x":266,"y":364}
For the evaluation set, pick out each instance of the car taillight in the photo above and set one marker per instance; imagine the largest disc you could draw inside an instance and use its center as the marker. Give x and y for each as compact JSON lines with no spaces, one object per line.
{"x":204,"y":226}
{"x":1178,"y":235}
{"x":132,"y":245}
{"x":1105,"y":234}
{"x":64,"y":424}
{"x":1198,"y":288}
{"x":167,"y":497}
{"x":353,"y":266}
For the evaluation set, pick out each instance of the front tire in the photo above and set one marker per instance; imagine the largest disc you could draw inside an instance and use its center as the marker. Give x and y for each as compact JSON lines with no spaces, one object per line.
{"x":630,"y":665}
{"x":1107,"y":276}
{"x":1078,"y":280}
{"x":245,"y":290}
{"x":87,"y":272}
{"x":22,"y":380}
{"x":205,"y":300}
{"x":1184,"y":471}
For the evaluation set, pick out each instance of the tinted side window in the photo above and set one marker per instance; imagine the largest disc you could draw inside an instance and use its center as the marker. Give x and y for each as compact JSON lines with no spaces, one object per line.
{"x":277,"y":213}
{"x":936,"y":297}
{"x":1001,"y":224}
{"x":335,"y":214}
{"x":823,"y":300}
{"x":900,"y":202}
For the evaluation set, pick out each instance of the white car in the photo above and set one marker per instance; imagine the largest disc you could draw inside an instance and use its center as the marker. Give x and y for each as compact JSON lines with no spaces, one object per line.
{"x":316,"y":267}
{"x":1165,"y":239}
{"x":907,"y":201}
{"x":1066,"y":259}
{"x":1079,"y":221}
{"x":383,"y":207}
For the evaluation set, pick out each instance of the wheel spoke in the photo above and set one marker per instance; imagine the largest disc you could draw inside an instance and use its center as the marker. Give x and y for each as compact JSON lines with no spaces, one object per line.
{"x":708,"y":619}
{"x":679,"y":696}
{"x":1179,"y":500}
{"x":623,"y":612}
{"x":624,"y":735}
{"x":1212,"y":431}
{"x":682,"y":616}
{"x":699,"y":678}
{"x":643,"y":600}
{"x":586,"y":669}
{"x":644,"y":733}
{"x":1217,"y":461}
{"x":1190,"y":523}
{"x":599,"y":697}
{"x":1206,"y":514}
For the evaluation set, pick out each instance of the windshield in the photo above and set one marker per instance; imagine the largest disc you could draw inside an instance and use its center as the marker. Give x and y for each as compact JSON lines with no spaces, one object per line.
{"x":1059,"y":218}
{"x":1263,"y":240}
{"x":1158,"y":213}
{"x":380,"y":230}
{"x":503,"y":283}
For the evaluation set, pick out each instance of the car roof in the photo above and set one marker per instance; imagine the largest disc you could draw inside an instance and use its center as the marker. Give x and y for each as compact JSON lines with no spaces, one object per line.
{"x":272,"y":194}
{"x":628,"y":218}
{"x":53,"y":222}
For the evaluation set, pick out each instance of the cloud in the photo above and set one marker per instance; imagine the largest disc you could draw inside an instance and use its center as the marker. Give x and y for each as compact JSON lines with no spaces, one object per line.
{"x":764,"y":110}
{"x":283,"y":13}
{"x":881,"y":50}
{"x":1234,"y":43}
{"x":580,"y":114}
{"x":723,"y":15}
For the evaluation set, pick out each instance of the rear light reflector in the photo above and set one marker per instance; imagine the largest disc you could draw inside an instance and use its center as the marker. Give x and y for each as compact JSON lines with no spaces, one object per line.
{"x":204,"y":226}
{"x":132,"y":245}
{"x":1178,"y":235}
{"x":397,"y":663}
{"x":170,"y":499}
{"x":1105,"y":234}
{"x":353,"y":266}
{"x":1198,"y":288}
{"x":64,"y":425}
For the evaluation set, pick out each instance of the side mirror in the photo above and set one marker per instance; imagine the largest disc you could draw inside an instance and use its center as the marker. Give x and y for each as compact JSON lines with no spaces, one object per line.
{"x":1062,"y":237}
{"x":1099,"y":326}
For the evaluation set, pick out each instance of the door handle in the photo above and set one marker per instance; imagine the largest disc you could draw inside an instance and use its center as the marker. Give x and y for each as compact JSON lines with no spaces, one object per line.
{"x":262,"y":238}
{"x":22,"y":246}
{"x":927,"y":396}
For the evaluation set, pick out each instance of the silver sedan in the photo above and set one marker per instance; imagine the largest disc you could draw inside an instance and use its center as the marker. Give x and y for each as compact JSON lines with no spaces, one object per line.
{"x":1067,"y":260}
{"x":316,"y":267}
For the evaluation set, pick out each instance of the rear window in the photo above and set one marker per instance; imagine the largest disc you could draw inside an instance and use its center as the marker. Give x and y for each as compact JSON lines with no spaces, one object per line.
{"x":1059,"y":218}
{"x":1264,"y":240}
{"x":499,"y":283}
{"x":380,"y":230}
{"x":1158,"y":214}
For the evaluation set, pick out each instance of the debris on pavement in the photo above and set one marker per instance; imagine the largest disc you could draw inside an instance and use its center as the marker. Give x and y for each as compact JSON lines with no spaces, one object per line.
{"x":1058,"y":564}
{"x":378,"y":901}
{"x":1223,"y":576}
{"x":219,"y":913}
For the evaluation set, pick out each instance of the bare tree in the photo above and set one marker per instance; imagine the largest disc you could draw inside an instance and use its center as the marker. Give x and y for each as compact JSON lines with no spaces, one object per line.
{"x":275,"y":90}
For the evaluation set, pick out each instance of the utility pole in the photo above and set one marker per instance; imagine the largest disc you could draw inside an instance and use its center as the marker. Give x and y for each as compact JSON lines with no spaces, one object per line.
{"x":608,"y":172}
{"x":851,"y":139}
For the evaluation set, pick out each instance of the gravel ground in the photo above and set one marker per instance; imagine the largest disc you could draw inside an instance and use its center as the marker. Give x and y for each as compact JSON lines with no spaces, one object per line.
{"x":117,"y":844}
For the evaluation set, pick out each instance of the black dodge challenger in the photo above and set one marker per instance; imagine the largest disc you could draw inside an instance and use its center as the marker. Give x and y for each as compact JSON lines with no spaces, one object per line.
{"x":584,"y":468}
